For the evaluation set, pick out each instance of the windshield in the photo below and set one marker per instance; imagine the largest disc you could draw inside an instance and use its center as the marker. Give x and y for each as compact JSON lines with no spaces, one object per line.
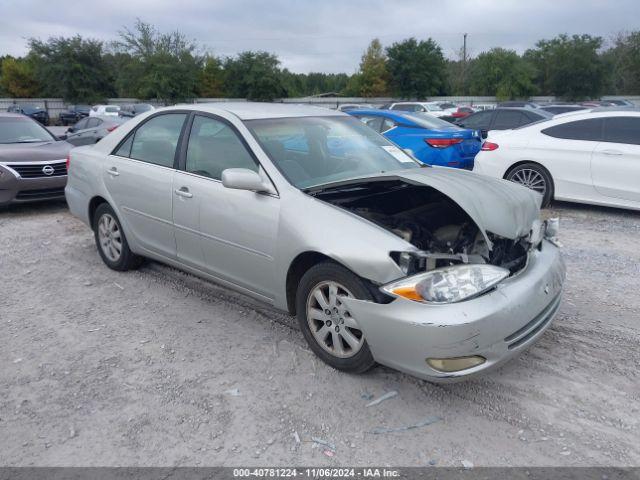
{"x":433,"y":108}
{"x":430,"y":122}
{"x":22,"y":130}
{"x":312,"y":151}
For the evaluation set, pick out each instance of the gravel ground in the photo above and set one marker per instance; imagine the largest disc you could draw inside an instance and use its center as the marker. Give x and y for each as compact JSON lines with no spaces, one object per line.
{"x":156,"y":367}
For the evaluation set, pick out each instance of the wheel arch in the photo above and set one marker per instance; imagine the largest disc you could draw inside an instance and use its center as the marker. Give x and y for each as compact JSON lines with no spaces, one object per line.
{"x":303,"y":262}
{"x":94,"y":203}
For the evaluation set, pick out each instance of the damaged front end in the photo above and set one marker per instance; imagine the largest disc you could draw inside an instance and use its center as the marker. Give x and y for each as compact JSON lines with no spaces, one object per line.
{"x":446,"y":238}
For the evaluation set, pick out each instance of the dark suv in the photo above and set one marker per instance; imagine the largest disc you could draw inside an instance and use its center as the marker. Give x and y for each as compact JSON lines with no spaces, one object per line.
{"x":74,"y":114}
{"x":502,"y":119}
{"x":37,"y":113}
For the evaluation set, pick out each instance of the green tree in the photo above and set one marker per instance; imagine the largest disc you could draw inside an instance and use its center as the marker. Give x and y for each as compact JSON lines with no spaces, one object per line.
{"x":254,"y":76}
{"x":161,"y":66}
{"x":373,"y":71}
{"x":18,"y":79}
{"x":416,"y":69}
{"x":569,"y":67}
{"x":71,"y":68}
{"x":624,"y":60}
{"x":211,"y":79}
{"x":502,"y":73}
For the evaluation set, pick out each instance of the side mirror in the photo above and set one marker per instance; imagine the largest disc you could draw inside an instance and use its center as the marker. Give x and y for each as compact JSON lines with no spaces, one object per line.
{"x":245,"y":179}
{"x":484,"y":133}
{"x":62,"y":137}
{"x":71,"y":130}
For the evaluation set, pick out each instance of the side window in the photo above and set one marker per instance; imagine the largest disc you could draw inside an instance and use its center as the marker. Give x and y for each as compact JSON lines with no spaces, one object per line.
{"x":508,"y":119}
{"x":93,"y":122}
{"x":82,"y":124}
{"x":371,"y":122}
{"x":156,"y":140}
{"x":622,"y":130}
{"x":590,"y":129}
{"x":387,"y":124}
{"x":125,"y":148}
{"x":213,"y":147}
{"x":478,"y":120}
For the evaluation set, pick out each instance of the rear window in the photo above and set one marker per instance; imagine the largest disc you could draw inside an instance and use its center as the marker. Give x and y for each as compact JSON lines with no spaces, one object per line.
{"x":429,"y":121}
{"x":590,"y":130}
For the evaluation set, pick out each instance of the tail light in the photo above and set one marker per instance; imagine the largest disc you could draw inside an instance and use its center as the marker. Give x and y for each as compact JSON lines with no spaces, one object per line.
{"x":111,"y":129}
{"x":68,"y":161}
{"x":489,"y":147}
{"x":442,"y":142}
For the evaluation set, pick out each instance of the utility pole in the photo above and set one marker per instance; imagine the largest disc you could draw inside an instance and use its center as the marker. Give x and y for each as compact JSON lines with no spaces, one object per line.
{"x":464,"y":62}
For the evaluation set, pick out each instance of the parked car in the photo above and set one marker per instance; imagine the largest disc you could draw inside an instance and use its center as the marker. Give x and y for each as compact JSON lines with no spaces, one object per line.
{"x":32,"y":161}
{"x":598,"y":103}
{"x":131,"y":110}
{"x":462,"y":112}
{"x":104,"y":111}
{"x":431,"y":140}
{"x":518,"y":104}
{"x":345,"y":107}
{"x":434,"y":271}
{"x":448,"y":107}
{"x":36,"y":112}
{"x":432,"y":108}
{"x":591,"y":157}
{"x":91,"y":130}
{"x":622,"y":103}
{"x":502,"y":119}
{"x":558,"y":109}
{"x":483,"y":106}
{"x":74,"y":113}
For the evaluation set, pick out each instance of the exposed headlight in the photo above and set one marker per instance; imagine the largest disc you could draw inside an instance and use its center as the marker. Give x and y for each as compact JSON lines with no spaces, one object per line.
{"x":448,"y":285}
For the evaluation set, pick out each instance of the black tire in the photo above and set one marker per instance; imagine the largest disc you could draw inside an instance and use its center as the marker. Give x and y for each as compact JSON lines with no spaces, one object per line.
{"x":521,"y":169}
{"x":330,"y":271}
{"x":127,"y":260}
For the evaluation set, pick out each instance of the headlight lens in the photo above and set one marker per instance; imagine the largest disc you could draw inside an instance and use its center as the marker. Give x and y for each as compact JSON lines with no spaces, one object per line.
{"x":448,"y":285}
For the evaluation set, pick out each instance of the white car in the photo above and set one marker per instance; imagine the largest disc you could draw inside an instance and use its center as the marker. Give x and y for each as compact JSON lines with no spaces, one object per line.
{"x":432,"y":108}
{"x":104,"y":111}
{"x":587,"y":157}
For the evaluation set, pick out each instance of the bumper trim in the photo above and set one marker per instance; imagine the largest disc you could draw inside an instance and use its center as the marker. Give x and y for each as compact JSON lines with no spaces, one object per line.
{"x":534,"y":326}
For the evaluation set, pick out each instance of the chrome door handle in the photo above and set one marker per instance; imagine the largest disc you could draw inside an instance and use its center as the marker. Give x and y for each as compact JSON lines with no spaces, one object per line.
{"x":612,"y":152}
{"x":113,"y":171}
{"x":183,"y":192}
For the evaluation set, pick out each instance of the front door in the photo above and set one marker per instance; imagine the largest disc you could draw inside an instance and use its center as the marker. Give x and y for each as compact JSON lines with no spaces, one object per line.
{"x":228,"y":233}
{"x":139,"y":179}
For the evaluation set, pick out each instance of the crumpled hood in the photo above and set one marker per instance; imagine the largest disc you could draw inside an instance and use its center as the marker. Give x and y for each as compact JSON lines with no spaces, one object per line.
{"x":497,"y":206}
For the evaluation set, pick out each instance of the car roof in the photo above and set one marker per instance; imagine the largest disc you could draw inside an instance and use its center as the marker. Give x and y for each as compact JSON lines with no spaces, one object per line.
{"x":258,"y":110}
{"x":11,"y":115}
{"x":382,"y":113}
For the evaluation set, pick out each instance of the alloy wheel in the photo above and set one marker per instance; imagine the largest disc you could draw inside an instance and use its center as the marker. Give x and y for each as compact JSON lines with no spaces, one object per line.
{"x":530,"y":178}
{"x":331,"y":324}
{"x":110,"y":237}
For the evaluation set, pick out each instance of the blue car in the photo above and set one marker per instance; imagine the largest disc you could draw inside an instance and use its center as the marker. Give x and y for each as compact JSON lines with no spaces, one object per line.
{"x":432,"y":141}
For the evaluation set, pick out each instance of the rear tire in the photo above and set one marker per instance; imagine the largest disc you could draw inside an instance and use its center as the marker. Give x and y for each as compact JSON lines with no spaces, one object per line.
{"x":328,"y":327}
{"x":111,"y":241}
{"x":535,"y":177}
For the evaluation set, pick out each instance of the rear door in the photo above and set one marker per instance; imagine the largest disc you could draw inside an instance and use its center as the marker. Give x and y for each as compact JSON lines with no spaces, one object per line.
{"x":615,"y":165}
{"x":139,"y":176}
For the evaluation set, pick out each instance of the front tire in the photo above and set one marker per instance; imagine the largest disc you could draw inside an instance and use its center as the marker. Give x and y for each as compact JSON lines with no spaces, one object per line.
{"x":111,"y":241}
{"x":534,"y":177}
{"x":328,"y":327}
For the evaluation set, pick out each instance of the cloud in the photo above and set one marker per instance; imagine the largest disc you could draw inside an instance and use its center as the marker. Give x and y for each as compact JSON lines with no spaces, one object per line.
{"x":327,"y":36}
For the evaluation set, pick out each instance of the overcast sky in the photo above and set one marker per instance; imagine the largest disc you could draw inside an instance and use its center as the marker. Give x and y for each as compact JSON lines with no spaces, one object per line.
{"x":320,"y":35}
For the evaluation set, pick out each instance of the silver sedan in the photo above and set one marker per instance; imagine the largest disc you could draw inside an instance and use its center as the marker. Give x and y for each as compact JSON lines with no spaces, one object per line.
{"x":437,"y":272}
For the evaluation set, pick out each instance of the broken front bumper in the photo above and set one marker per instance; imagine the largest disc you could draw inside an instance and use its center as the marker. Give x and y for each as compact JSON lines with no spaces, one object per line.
{"x":403,"y":334}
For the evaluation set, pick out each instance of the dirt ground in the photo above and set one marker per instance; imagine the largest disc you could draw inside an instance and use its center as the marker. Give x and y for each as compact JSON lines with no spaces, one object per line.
{"x":158,"y":368}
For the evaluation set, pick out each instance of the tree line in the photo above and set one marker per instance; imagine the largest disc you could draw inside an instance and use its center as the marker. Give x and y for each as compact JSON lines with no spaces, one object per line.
{"x":148,"y":64}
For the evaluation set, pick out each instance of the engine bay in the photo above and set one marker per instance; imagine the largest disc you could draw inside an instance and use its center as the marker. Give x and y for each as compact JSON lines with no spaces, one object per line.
{"x":432,"y":222}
